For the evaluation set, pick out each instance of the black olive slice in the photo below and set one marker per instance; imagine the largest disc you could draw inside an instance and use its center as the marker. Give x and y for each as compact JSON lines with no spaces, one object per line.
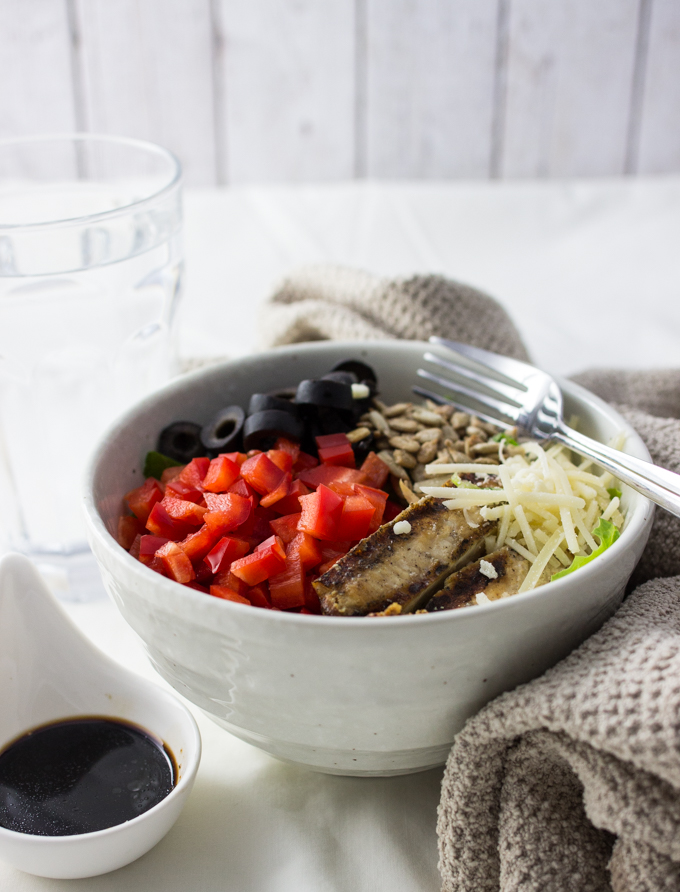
{"x":342,"y":377}
{"x":362,"y":370}
{"x":333,"y":422}
{"x":362,"y":448}
{"x":330,"y":394}
{"x":181,"y":440}
{"x":223,"y":433}
{"x":262,"y":428}
{"x":284,"y":393}
{"x":261,"y":402}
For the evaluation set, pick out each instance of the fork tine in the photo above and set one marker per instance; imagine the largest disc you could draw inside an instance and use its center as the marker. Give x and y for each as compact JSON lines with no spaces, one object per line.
{"x":513,"y":369}
{"x":511,"y":412}
{"x":443,"y":400}
{"x":510,"y":393}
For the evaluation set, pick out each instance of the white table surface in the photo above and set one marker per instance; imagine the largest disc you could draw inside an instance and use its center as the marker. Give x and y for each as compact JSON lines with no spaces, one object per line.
{"x":589,"y":272}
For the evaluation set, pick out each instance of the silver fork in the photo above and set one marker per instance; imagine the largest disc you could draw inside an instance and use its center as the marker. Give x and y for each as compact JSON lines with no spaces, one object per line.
{"x":531,"y":401}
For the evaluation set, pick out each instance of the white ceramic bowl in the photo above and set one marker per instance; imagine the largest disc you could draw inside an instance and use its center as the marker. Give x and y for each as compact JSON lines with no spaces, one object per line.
{"x":342,"y":695}
{"x":49,"y":671}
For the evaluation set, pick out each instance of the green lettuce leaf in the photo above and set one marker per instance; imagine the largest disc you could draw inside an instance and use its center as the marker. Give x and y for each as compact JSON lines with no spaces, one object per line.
{"x":614,"y":493}
{"x":155,"y":463}
{"x":506,"y":438}
{"x":607,"y":533}
{"x":462,"y":484}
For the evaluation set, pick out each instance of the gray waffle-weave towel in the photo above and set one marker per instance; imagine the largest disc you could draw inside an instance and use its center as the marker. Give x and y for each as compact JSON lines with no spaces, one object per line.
{"x":570,"y":783}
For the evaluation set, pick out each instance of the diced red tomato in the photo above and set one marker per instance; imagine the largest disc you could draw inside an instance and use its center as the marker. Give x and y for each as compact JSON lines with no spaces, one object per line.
{"x":158,"y":566}
{"x":237,"y":457}
{"x":268,"y":560}
{"x":227,"y":594}
{"x":378,"y":498}
{"x":304,"y":461}
{"x":197,"y":545}
{"x":128,"y":530}
{"x":375,"y":471}
{"x":287,"y":589}
{"x":141,"y":500}
{"x":221,"y":474}
{"x":321,"y":511}
{"x":170,"y":474}
{"x":391,"y":511}
{"x":227,"y":510}
{"x":176,"y":563}
{"x":160,"y":523}
{"x":204,"y":574}
{"x":260,"y":529}
{"x":148,"y":546}
{"x":194,"y":473}
{"x":241,"y":488}
{"x":327,"y":474}
{"x":286,"y":527}
{"x":284,"y":445}
{"x":261,"y":473}
{"x":281,"y":458}
{"x":335,"y":449}
{"x":311,"y":598}
{"x":180,"y":509}
{"x":272,"y":542}
{"x":134,"y":548}
{"x":290,"y":504}
{"x":279,"y":493}
{"x":179,"y":490}
{"x":307,"y":548}
{"x":258,"y":595}
{"x":198,"y":587}
{"x":233,"y":582}
{"x":228,"y":549}
{"x":331,"y":553}
{"x":355,"y":520}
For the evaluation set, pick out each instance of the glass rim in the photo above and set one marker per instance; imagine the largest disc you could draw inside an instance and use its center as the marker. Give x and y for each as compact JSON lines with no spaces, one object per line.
{"x":175,"y":175}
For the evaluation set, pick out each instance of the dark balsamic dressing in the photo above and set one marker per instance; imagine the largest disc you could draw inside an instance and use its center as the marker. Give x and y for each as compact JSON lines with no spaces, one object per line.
{"x":81,"y":775}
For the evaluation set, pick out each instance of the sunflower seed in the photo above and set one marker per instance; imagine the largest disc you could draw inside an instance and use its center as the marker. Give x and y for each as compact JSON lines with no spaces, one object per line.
{"x":359,"y":433}
{"x":428,"y":434}
{"x":395,"y":469}
{"x":404,"y":425}
{"x":405,"y":459}
{"x":408,"y":444}
{"x":425,"y":416}
{"x":427,"y":452}
{"x":396,"y":409}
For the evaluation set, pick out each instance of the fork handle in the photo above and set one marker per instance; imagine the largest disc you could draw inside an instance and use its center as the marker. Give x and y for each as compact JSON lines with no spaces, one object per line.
{"x":658,"y":484}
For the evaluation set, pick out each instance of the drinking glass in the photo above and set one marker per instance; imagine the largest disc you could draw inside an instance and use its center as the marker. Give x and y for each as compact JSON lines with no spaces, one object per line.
{"x":90,"y":278}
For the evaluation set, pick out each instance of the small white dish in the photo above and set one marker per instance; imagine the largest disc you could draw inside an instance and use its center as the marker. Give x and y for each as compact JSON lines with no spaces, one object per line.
{"x":50,"y":671}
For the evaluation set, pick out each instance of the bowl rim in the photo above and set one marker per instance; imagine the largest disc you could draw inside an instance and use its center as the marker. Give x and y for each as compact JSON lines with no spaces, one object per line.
{"x":637,"y":522}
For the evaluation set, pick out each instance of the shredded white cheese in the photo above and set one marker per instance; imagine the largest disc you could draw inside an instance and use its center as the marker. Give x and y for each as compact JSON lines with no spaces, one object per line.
{"x":486,"y":568}
{"x":482,"y":598}
{"x":402,"y":527}
{"x":545,"y":504}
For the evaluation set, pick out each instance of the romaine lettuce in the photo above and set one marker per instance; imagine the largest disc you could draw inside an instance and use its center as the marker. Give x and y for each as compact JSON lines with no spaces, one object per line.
{"x":607,"y":533}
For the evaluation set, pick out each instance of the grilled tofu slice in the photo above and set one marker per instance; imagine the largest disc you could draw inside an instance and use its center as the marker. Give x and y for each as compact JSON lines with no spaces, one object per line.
{"x":388,"y":568}
{"x":461,"y":588}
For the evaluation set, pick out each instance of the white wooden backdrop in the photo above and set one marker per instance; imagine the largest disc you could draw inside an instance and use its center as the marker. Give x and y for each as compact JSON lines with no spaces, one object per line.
{"x":309,"y":90}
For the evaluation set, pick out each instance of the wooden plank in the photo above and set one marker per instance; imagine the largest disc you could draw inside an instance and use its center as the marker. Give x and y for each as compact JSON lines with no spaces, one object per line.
{"x":569,"y":85}
{"x":430,"y":87}
{"x":288,"y":89}
{"x":659,"y":141}
{"x":35,"y":68}
{"x":146,"y":68}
